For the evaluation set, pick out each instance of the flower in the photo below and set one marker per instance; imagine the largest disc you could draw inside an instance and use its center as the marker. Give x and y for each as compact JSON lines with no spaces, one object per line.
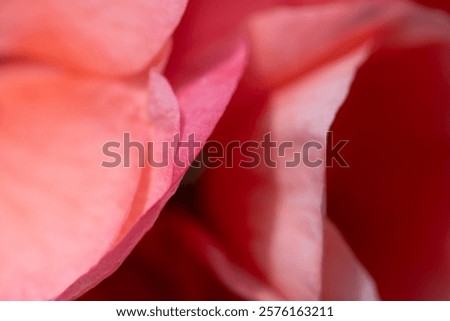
{"x":74,"y":76}
{"x":374,"y":73}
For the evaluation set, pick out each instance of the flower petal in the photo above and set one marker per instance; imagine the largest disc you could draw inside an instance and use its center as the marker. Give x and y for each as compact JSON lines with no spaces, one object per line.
{"x":155,"y":185}
{"x":202,"y":98}
{"x":276,"y":212}
{"x":110,"y":37}
{"x":62,"y":208}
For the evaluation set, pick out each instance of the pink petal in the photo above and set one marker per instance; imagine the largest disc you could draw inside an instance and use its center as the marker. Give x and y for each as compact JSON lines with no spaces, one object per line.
{"x":109,"y":37}
{"x":202,"y":100}
{"x":273,"y":216}
{"x":155,"y":186}
{"x":61,"y":209}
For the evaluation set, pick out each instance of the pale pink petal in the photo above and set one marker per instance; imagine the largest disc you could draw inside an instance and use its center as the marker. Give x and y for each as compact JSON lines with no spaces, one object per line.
{"x":277,"y":212}
{"x":302,"y":112}
{"x":61,"y":209}
{"x":202,"y":100}
{"x":116,"y":37}
{"x":343,"y":276}
{"x":155,"y":185}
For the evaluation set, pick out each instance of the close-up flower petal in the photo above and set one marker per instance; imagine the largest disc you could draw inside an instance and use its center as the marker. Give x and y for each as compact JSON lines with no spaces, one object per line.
{"x":109,"y":37}
{"x":260,"y":150}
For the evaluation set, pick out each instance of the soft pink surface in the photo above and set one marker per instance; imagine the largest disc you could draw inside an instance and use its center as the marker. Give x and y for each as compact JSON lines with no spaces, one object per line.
{"x":375,"y":72}
{"x":61,"y":210}
{"x":116,"y":37}
{"x":206,"y":94}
